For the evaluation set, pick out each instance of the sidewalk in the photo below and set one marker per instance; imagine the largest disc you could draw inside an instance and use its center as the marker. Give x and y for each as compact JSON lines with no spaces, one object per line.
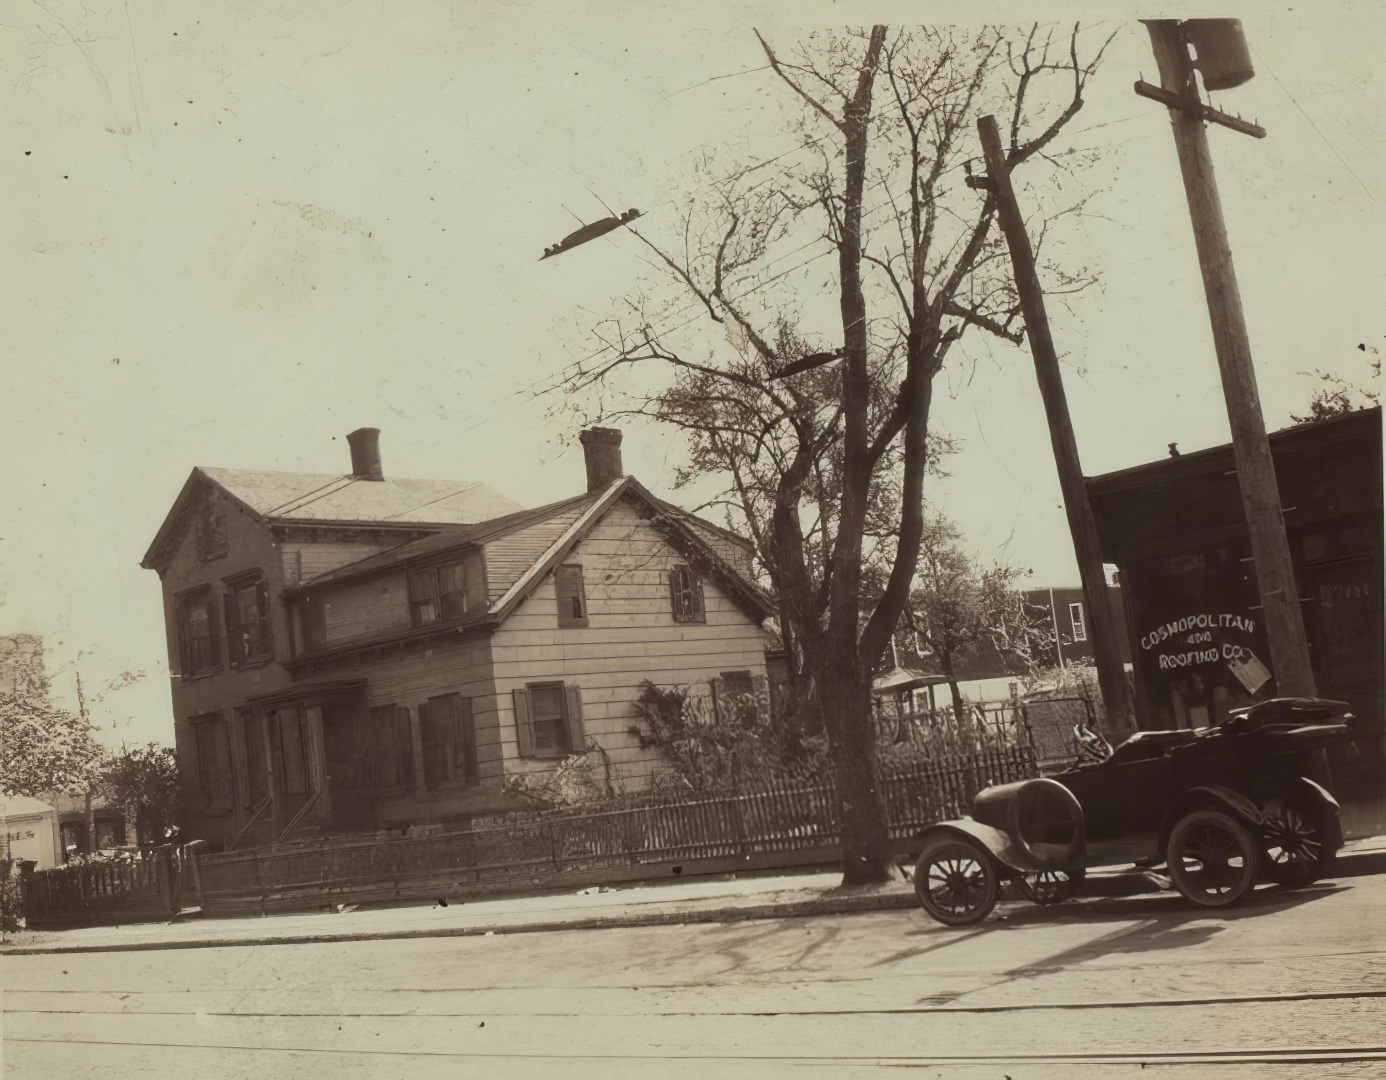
{"x":716,"y":900}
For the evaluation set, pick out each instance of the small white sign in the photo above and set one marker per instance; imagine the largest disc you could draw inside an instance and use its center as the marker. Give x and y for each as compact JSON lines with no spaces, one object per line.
{"x":1249,"y":671}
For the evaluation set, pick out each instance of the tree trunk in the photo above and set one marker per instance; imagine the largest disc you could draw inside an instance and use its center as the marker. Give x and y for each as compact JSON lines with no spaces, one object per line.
{"x":845,"y":693}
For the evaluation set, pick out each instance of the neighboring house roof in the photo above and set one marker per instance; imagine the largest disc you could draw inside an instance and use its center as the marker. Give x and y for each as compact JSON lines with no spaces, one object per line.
{"x":22,"y":806}
{"x":326,"y":498}
{"x":567,"y":523}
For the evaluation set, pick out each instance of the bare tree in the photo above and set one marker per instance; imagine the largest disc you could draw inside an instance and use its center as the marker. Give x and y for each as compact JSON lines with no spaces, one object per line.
{"x":817,"y":411}
{"x":960,"y":608}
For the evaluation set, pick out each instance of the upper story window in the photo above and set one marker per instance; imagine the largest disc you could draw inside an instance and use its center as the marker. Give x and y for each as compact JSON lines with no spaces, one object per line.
{"x":199,"y":645}
{"x":572,"y":598}
{"x":437,"y":594}
{"x":686,"y":595}
{"x":247,"y":608}
{"x":1075,"y":617}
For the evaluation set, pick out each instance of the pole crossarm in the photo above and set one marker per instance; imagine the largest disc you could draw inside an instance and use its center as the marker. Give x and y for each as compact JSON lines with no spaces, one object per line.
{"x":1203,"y":112}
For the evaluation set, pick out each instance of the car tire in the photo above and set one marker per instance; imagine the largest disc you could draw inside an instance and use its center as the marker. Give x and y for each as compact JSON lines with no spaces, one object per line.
{"x":1213,"y":858}
{"x":1297,"y":851}
{"x":956,"y":880}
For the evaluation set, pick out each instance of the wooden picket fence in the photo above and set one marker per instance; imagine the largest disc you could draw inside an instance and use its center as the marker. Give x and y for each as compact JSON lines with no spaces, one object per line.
{"x":157,"y":885}
{"x":784,"y":824}
{"x":781,"y":825}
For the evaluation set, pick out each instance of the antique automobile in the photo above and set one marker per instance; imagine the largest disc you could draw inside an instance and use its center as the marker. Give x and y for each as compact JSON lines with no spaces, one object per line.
{"x":1222,"y":808}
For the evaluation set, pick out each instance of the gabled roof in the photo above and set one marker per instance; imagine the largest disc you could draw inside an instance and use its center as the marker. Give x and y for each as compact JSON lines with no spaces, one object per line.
{"x":590,"y":508}
{"x":449,"y":538}
{"x":285,"y":496}
{"x":326,"y":498}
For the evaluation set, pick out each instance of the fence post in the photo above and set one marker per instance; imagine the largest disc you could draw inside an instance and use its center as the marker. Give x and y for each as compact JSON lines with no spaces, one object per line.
{"x":193,"y":858}
{"x":163,"y":868}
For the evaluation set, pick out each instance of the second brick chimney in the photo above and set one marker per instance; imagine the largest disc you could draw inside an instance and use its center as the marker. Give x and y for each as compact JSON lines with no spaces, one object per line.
{"x":602,"y":448}
{"x":365,"y":454}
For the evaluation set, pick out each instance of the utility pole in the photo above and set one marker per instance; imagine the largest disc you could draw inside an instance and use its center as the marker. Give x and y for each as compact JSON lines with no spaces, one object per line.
{"x":1224,"y":62}
{"x":1119,"y":719}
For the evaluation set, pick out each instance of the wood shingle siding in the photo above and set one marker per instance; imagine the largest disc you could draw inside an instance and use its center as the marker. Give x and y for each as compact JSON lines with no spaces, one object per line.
{"x":509,"y":556}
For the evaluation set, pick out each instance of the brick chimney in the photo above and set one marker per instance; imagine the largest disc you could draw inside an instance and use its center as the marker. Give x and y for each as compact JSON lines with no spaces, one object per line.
{"x":601,"y":447}
{"x":365,"y":454}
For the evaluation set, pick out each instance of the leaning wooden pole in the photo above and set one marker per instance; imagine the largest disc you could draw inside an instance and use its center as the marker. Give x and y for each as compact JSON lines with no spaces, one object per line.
{"x":1265,"y":521}
{"x":1119,"y":719}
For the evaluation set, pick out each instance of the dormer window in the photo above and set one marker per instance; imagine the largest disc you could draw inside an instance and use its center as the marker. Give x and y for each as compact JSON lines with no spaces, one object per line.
{"x":437,"y":594}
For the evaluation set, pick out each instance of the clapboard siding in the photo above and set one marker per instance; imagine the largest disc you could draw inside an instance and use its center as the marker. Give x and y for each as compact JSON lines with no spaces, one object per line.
{"x":631,"y":637}
{"x":306,"y":559}
{"x":359,"y":609}
{"x":509,"y":556}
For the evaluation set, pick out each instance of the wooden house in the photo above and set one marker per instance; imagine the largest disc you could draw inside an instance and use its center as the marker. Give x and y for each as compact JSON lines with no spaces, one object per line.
{"x":355,"y":653}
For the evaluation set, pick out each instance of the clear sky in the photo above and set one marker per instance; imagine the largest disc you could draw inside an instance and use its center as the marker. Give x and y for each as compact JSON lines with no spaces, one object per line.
{"x":238,"y":230}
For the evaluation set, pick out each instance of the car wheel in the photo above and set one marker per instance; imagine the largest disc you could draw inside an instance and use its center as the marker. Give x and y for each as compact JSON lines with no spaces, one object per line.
{"x":956,"y":880}
{"x":1297,"y":845}
{"x":1048,"y":886}
{"x":1212,"y":858}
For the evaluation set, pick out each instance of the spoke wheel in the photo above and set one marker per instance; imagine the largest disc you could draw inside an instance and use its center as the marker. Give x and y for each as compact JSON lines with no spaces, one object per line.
{"x":955,"y":880}
{"x":1048,"y":886}
{"x":1297,"y":851}
{"x":1213,"y":858}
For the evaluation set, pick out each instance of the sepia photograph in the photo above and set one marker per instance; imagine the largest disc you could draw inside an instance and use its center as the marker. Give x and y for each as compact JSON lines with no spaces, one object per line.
{"x":672,"y":541}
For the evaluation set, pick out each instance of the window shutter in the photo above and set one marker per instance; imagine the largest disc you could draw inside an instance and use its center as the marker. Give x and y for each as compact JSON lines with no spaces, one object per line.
{"x":228,"y":611}
{"x":452,"y":591}
{"x":262,"y":607}
{"x":674,"y":594}
{"x":474,"y":575}
{"x":572,"y":715}
{"x":428,"y":727}
{"x":524,"y":725}
{"x":404,"y":747}
{"x":181,"y":628}
{"x":213,"y":638}
{"x":467,"y":739}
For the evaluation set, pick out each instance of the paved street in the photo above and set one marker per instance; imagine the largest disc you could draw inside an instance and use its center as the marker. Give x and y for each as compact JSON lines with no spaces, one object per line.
{"x":1292,"y":985}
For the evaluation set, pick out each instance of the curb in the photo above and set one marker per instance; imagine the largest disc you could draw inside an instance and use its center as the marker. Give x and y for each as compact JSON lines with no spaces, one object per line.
{"x":886,"y":901}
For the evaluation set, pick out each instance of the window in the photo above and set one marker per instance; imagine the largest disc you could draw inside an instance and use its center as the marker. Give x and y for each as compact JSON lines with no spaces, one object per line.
{"x":548,"y":720}
{"x":394,"y":738}
{"x":247,"y":610}
{"x":572,"y":599}
{"x":686,"y":594}
{"x":1075,"y":618}
{"x":437,"y":594}
{"x":198,"y":642}
{"x":734,"y":696}
{"x":213,"y":761}
{"x":449,"y":740}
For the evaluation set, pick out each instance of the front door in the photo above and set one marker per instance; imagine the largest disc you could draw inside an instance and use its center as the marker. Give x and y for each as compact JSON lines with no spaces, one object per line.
{"x":293,"y":760}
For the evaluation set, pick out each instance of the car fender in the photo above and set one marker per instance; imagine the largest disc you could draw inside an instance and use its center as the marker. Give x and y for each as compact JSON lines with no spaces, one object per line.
{"x":997,"y":843}
{"x":1213,"y":796}
{"x":1322,"y":800}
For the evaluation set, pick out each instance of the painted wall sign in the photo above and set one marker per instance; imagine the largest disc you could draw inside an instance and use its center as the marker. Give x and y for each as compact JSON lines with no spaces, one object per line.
{"x":1205,"y":622}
